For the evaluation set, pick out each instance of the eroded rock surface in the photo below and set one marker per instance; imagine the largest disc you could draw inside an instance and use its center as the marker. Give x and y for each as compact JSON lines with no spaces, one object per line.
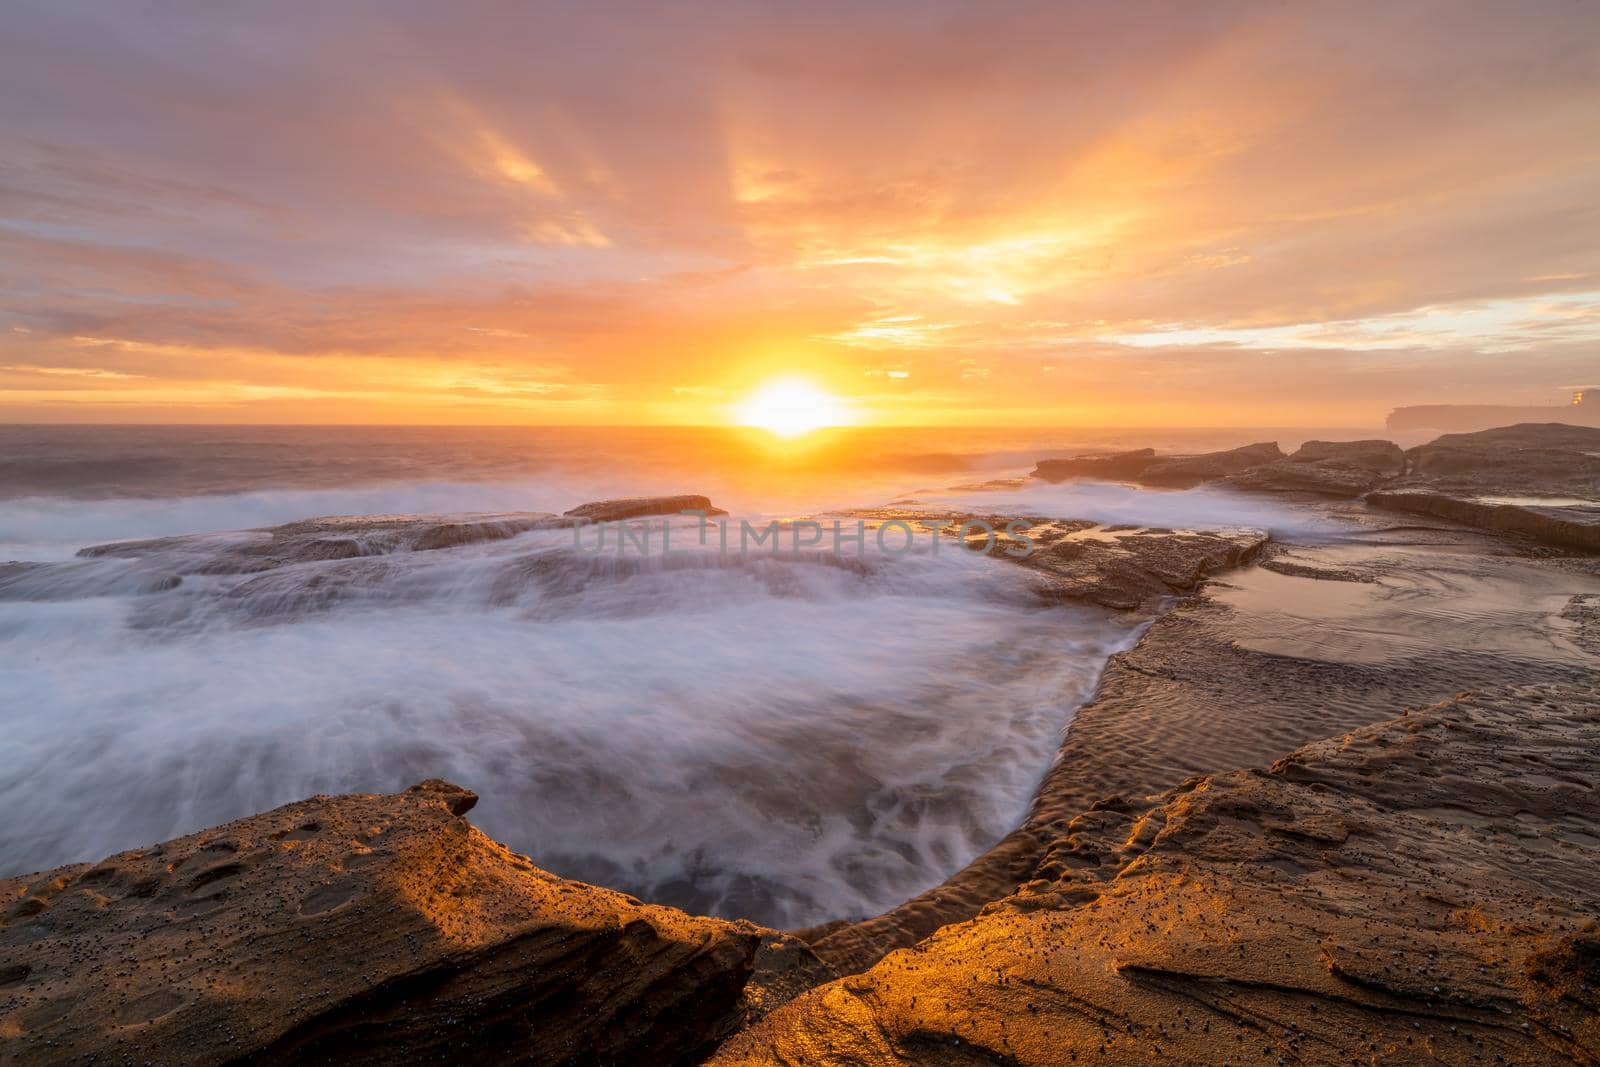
{"x":1184,"y":471}
{"x":1539,"y":481}
{"x":362,"y":928}
{"x":1551,"y":456}
{"x":1113,"y":466}
{"x":1130,"y":567}
{"x":1318,"y":640}
{"x":1418,"y":890}
{"x":1570,"y":525}
{"x":1330,"y":468}
{"x":1121,"y":567}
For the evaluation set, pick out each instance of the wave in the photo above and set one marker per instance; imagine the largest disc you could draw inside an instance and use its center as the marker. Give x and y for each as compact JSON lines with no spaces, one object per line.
{"x":787,"y":738}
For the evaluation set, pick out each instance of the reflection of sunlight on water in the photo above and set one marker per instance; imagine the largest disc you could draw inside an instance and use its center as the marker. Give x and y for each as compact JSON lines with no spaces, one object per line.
{"x":1406,"y":601}
{"x":1115,"y":503}
{"x":1540,"y":501}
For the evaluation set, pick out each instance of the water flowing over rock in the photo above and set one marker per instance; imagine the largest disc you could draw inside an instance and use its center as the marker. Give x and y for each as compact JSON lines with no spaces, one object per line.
{"x":1421,"y":889}
{"x":320,"y":540}
{"x":354,"y":929}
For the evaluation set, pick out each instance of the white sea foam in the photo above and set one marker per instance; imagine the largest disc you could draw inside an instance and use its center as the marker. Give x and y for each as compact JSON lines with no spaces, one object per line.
{"x":789,"y":739}
{"x":48,"y":527}
{"x":1202,"y":508}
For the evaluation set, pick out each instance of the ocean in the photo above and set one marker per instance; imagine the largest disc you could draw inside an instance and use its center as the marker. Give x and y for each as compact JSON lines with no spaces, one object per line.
{"x":788,"y":737}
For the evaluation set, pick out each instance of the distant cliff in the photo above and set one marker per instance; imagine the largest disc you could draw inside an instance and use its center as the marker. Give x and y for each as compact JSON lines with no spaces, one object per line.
{"x":1471,"y":417}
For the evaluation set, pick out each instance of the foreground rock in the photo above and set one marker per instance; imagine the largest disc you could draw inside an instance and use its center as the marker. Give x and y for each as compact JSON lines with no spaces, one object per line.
{"x":1316,"y":640}
{"x":1418,"y":890}
{"x":367,"y":929}
{"x":1539,"y":481}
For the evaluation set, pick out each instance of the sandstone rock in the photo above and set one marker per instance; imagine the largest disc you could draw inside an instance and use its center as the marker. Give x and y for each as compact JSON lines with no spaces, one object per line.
{"x":1134,"y":568}
{"x":1286,"y":476}
{"x":1331,"y":468}
{"x":354,"y":929}
{"x":1540,"y":481}
{"x":1186,"y":471}
{"x":639,"y":507}
{"x":1564,"y":527}
{"x":1383,"y":457}
{"x":1117,"y":465}
{"x":1419,"y":890}
{"x":1122,"y":567}
{"x":1527,"y":458}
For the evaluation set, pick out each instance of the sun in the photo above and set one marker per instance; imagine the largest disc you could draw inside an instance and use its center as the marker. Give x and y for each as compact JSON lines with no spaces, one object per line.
{"x":790,"y":407}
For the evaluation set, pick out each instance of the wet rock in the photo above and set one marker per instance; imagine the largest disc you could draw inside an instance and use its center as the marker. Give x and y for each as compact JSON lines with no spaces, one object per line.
{"x":1186,"y":471}
{"x":1228,"y":678}
{"x":360,"y":928}
{"x":1420,"y":889}
{"x":1112,"y":467}
{"x":1569,"y":526}
{"x":1329,"y":468}
{"x":1539,"y":481}
{"x":76,"y":580}
{"x":639,"y":507}
{"x":1122,"y":567}
{"x":1133,"y":568}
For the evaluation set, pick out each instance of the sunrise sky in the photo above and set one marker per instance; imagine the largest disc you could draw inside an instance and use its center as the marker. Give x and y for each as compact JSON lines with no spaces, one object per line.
{"x":1103,"y":214}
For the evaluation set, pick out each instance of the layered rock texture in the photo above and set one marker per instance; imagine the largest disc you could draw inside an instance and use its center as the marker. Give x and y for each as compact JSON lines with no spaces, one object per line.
{"x":1540,"y":481}
{"x":1184,"y":471}
{"x":369,"y":929}
{"x":1145,"y":466}
{"x":1121,"y":567}
{"x":639,"y":507}
{"x":1332,"y":468}
{"x":1419,"y":890}
{"x":1115,"y":465}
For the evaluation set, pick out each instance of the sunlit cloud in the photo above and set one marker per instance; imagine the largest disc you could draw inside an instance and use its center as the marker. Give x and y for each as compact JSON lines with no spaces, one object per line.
{"x":1043,"y":212}
{"x":1492,"y":326}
